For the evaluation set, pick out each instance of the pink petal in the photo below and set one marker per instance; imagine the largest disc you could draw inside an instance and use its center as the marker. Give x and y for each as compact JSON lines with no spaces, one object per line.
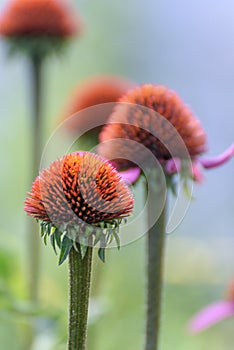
{"x":209,"y":163}
{"x":173,"y":166}
{"x":211,"y":315}
{"x":131,"y":175}
{"x":196,"y":172}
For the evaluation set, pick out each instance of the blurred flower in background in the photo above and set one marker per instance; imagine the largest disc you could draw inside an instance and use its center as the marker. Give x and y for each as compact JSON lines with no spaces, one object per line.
{"x":38,"y":26}
{"x":156,"y":134}
{"x":213,"y":313}
{"x":103,"y":90}
{"x":167,"y":133}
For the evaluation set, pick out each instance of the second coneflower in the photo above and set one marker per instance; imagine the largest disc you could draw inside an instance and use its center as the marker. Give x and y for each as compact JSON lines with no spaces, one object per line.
{"x":155,"y":117}
{"x":152,"y":122}
{"x":80,"y":201}
{"x":99,"y":92}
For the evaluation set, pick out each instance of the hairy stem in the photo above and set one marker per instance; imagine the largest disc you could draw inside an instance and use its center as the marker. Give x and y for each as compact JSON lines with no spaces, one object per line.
{"x":79,"y":282}
{"x":33,"y":236}
{"x":155,"y":256}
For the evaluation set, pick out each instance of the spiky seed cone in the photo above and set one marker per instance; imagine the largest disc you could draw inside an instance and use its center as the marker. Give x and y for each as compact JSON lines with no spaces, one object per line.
{"x":79,"y":188}
{"x":159,"y":132}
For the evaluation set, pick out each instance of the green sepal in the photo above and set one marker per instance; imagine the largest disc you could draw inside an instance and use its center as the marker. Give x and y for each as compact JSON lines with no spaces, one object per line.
{"x":65,"y":249}
{"x":109,"y":236}
{"x":172,"y":184}
{"x":102,"y":241}
{"x":40,"y":46}
{"x":83,"y":250}
{"x":101,"y":254}
{"x":102,"y":224}
{"x":45,"y":239}
{"x":97,"y":236}
{"x":80,"y":237}
{"x":52,"y":241}
{"x":187,"y":190}
{"x":57,"y":236}
{"x":43,"y":228}
{"x":75,"y":247}
{"x":83,"y":243}
{"x":117,"y":239}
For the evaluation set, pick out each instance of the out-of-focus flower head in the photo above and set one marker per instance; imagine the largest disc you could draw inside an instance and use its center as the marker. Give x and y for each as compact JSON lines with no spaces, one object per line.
{"x":101,"y":91}
{"x":155,"y":117}
{"x":38,"y":27}
{"x":213,"y":313}
{"x":80,"y":197}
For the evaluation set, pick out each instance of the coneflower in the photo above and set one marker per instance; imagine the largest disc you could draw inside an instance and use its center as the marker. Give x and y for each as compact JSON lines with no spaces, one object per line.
{"x":135,"y":119}
{"x":151,"y":126}
{"x":78,"y":189}
{"x":156,"y":117}
{"x":37,"y":28}
{"x":80,"y":201}
{"x":101,"y":93}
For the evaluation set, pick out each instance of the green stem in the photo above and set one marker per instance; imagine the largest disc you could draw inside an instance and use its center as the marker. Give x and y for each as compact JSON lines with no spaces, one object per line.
{"x":33,"y":236}
{"x":155,"y":256}
{"x":97,"y":269}
{"x":79,"y":282}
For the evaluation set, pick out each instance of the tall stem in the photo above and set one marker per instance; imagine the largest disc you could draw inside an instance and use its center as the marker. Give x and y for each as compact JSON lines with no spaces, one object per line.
{"x":33,"y":236}
{"x":155,"y":264}
{"x":79,"y":282}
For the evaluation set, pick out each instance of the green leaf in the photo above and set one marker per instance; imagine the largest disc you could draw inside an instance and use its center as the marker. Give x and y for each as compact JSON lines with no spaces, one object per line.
{"x":65,"y":249}
{"x":101,"y":254}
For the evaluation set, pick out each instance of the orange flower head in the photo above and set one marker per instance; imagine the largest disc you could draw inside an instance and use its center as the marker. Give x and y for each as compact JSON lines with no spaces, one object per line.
{"x":104,"y":89}
{"x":172,"y":129}
{"x":38,"y":18}
{"x":78,"y":189}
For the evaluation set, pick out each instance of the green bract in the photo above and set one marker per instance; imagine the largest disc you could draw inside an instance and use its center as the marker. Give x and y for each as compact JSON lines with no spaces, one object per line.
{"x":80,"y":237}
